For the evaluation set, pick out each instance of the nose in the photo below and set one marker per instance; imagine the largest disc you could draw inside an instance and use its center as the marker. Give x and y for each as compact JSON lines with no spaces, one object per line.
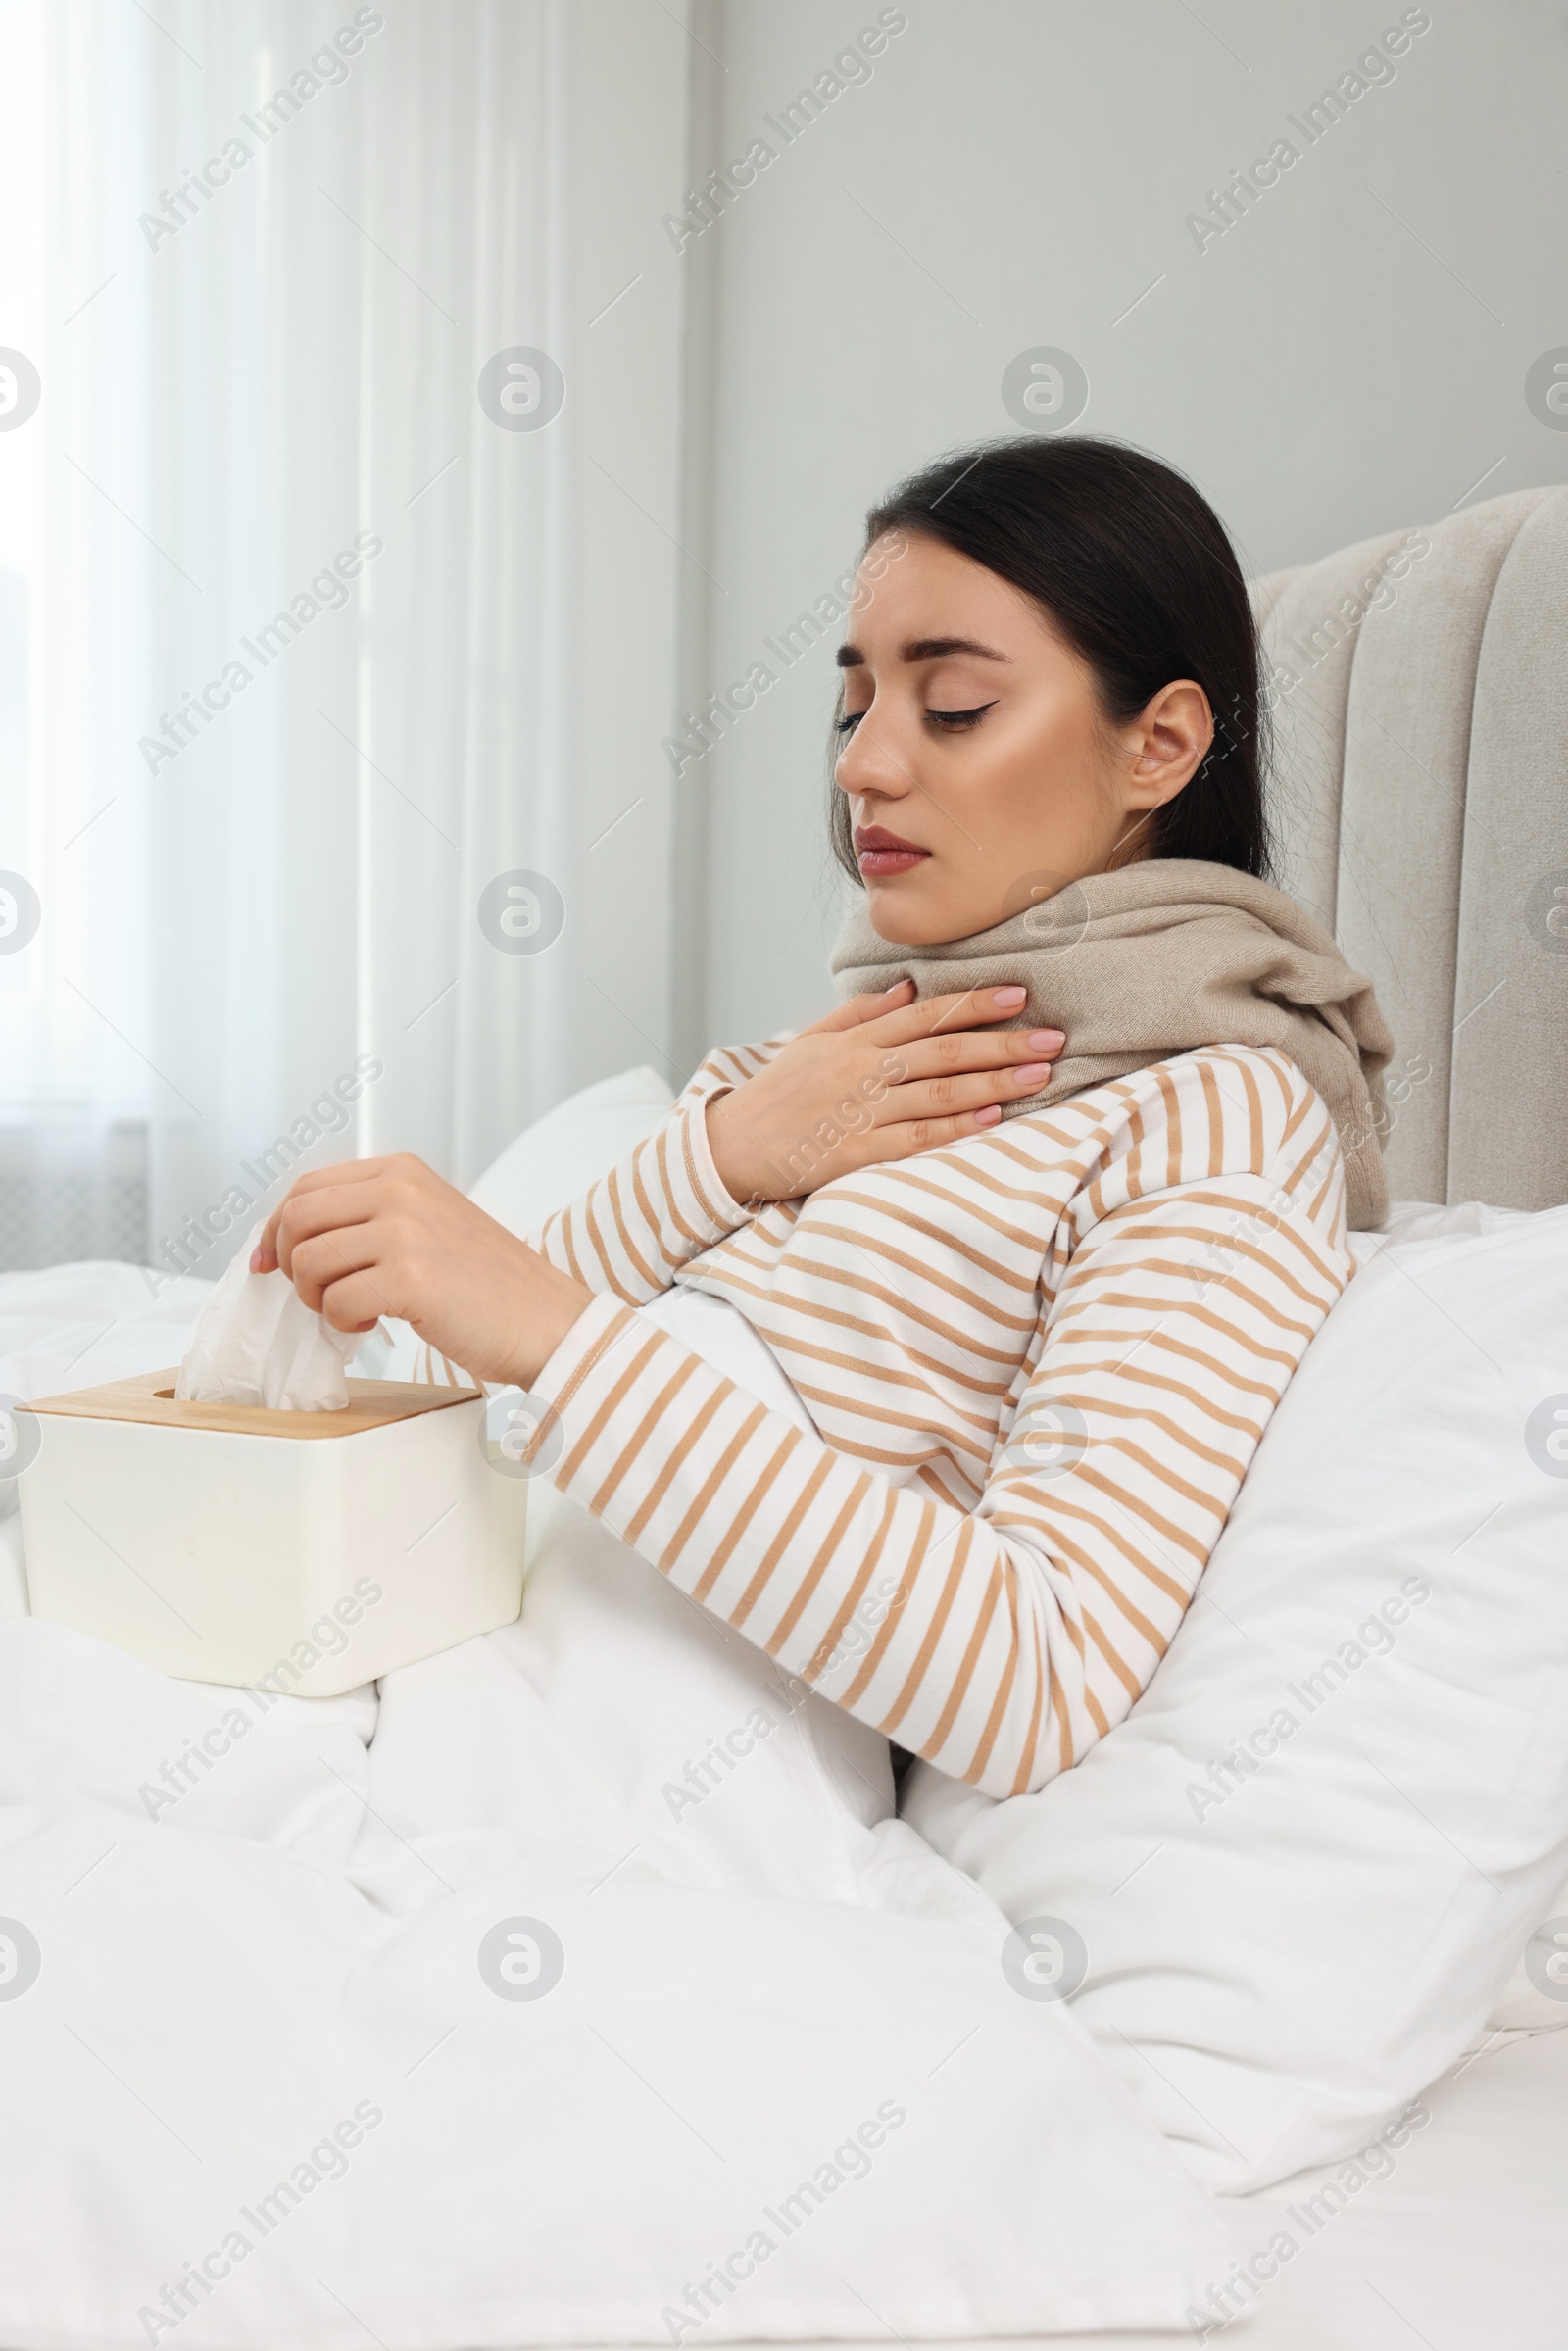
{"x":869,"y":766}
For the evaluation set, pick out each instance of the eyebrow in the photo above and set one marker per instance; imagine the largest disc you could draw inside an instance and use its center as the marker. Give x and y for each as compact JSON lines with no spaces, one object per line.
{"x":925,"y":649}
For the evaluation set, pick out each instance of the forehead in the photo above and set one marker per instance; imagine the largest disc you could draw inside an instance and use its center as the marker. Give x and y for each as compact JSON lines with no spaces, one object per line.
{"x":914,"y":597}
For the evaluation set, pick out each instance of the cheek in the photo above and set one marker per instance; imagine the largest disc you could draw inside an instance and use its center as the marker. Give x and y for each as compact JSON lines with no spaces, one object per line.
{"x":1045,"y":801}
{"x":1047,"y":760}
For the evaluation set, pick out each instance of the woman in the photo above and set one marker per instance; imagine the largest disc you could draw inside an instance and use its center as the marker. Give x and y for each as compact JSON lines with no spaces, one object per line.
{"x":1039,"y":1222}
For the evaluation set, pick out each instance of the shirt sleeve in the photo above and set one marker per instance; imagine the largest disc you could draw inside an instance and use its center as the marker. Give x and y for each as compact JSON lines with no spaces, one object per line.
{"x":1017,"y":1632}
{"x":666,"y":1203}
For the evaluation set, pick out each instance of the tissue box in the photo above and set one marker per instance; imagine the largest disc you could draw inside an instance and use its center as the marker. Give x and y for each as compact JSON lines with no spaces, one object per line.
{"x":300,"y":1552}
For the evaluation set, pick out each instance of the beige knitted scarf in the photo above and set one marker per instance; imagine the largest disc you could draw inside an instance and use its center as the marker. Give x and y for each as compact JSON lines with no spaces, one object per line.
{"x":1156,"y":960}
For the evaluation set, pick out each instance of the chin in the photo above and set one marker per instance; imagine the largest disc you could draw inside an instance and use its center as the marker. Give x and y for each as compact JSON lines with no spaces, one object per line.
{"x":906,"y":919}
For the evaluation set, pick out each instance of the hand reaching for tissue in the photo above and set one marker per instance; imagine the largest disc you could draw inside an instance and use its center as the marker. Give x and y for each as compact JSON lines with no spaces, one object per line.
{"x":379,"y":1236}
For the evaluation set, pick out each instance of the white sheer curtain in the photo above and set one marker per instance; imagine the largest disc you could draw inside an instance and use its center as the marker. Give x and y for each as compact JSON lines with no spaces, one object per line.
{"x":273,"y":925}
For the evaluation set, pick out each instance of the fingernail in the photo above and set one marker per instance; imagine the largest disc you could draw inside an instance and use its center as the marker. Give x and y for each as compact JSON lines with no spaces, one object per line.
{"x":988,"y":1116}
{"x":1045,"y":1041}
{"x":1009,"y":999}
{"x":255,"y":1259}
{"x":1033,"y":1073}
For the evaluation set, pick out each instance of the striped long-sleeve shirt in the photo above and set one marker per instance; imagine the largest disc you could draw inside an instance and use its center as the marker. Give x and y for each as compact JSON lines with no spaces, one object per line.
{"x":1038,"y":1362}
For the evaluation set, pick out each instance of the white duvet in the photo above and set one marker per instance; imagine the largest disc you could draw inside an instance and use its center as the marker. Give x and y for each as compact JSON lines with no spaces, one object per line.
{"x":575,"y":1986}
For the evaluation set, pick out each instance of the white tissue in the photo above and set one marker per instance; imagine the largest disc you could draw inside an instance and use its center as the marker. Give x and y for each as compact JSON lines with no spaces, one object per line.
{"x":255,"y":1342}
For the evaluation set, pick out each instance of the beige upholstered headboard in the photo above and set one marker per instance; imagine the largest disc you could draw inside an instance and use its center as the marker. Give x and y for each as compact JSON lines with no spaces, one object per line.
{"x":1420,"y":811}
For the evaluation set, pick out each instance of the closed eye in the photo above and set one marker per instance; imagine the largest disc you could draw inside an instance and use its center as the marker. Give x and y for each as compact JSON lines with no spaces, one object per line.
{"x":961,"y":719}
{"x":954,"y":720}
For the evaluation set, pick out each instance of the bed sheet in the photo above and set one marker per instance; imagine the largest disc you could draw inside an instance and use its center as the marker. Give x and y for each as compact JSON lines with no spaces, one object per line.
{"x":1462,"y":2248}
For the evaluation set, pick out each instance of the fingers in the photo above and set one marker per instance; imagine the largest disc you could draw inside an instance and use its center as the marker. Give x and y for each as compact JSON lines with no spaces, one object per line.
{"x":263,"y":1256}
{"x":862,"y":1009}
{"x":348,"y":1172}
{"x":316,"y":1264}
{"x":937,"y":1016}
{"x":352,"y":1304}
{"x":945,"y":1097}
{"x":960,"y":1050}
{"x":927,"y":1134}
{"x":333,"y":1208}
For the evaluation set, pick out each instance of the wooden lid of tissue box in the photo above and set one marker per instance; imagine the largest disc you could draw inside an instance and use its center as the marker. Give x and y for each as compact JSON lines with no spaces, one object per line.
{"x":150,"y":1396}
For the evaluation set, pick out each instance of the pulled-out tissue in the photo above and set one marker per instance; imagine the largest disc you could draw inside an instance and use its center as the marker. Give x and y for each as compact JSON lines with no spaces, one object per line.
{"x":255,"y":1342}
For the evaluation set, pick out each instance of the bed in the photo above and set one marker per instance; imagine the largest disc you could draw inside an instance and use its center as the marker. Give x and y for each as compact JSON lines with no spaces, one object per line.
{"x":1420,"y":700}
{"x":1460,"y":2249}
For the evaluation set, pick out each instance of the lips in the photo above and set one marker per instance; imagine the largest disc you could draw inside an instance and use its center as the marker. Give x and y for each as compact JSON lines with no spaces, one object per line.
{"x":879,"y":852}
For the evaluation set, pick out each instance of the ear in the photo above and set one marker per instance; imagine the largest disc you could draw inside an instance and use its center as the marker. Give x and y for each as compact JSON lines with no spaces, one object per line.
{"x":1169,"y":741}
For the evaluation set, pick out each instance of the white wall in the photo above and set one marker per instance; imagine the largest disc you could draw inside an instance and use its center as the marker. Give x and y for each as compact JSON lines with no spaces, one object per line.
{"x":1348,"y":357}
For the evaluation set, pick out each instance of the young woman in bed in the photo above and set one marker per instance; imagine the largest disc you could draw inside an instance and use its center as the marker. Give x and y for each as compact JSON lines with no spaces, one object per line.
{"x":1039,"y":1231}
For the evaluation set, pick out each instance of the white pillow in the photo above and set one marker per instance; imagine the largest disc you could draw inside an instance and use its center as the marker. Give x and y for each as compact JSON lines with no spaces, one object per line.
{"x":571,"y":1146}
{"x":1300,"y":1872}
{"x":1535,"y":1998}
